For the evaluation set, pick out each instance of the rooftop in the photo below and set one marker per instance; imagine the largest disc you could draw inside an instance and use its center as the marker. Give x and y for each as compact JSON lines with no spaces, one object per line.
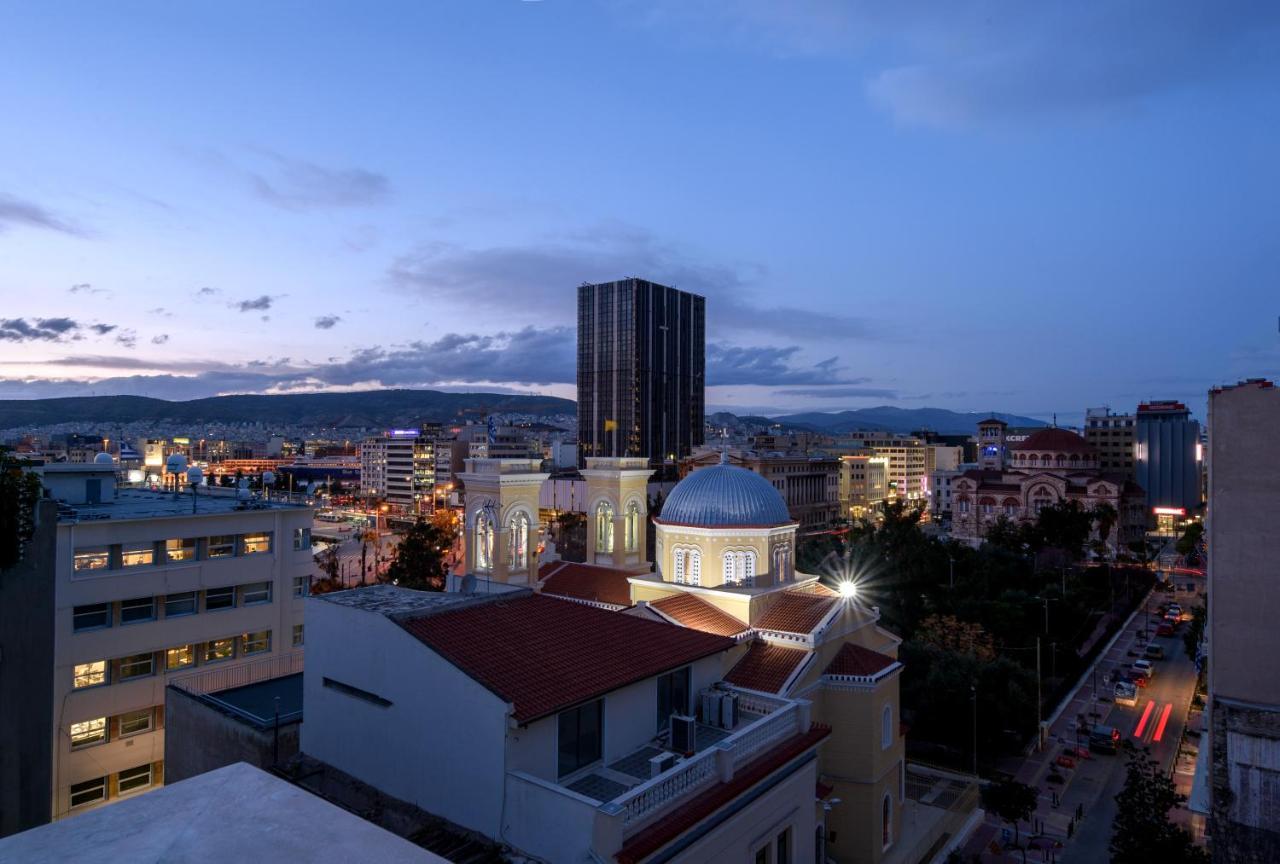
{"x":724,"y":496}
{"x":797,"y":612}
{"x":551,"y":653}
{"x":688,"y":610}
{"x":858,"y":661}
{"x":766,"y":667}
{"x":256,"y":703}
{"x":244,"y":815}
{"x":146,"y":504}
{"x":586,"y":582}
{"x":393,"y":601}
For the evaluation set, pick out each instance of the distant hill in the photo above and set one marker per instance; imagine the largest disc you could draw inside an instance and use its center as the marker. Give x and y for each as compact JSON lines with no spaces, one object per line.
{"x":889,"y":419}
{"x":370,"y":408}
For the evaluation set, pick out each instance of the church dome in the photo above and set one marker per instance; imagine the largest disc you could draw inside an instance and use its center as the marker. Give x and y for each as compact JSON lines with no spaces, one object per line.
{"x":1055,"y":440}
{"x":724,"y":496}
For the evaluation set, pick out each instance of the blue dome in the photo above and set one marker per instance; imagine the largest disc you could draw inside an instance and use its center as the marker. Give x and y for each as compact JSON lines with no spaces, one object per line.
{"x":722,"y":496}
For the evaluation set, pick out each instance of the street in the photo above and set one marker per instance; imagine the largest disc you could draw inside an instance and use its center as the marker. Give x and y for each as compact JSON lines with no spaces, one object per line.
{"x":1090,"y":787}
{"x":349,"y":571}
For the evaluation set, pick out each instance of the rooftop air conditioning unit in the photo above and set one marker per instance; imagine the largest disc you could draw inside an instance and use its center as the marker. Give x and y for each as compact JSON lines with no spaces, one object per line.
{"x":728,"y":710}
{"x":684,"y":734}
{"x":709,"y":705}
{"x":660,"y":763}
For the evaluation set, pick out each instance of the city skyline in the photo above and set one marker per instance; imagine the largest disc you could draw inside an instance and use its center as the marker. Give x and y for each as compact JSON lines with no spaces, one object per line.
{"x":940,"y":211}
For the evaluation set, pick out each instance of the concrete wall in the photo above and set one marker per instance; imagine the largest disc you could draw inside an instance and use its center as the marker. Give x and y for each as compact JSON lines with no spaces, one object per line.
{"x":439,"y":745}
{"x":199,"y":738}
{"x":26,"y":680}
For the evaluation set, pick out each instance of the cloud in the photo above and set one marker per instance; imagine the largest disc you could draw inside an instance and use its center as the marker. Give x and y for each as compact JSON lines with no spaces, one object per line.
{"x":161,"y":311}
{"x":102,"y":329}
{"x":545,"y":276}
{"x":841,"y":393}
{"x":16,"y":212}
{"x":734,"y":364}
{"x":129,"y":339}
{"x":327,"y":322}
{"x":160,"y":339}
{"x":295,"y":184}
{"x":86,"y":288}
{"x":37,"y":329}
{"x":206,"y":291}
{"x":256,"y":304}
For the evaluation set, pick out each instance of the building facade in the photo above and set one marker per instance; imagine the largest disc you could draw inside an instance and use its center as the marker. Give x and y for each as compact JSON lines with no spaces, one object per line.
{"x":808,"y":483}
{"x":1113,"y":436}
{"x":864,"y":485}
{"x":908,"y":463}
{"x":1167,"y":457}
{"x":1244,"y":690}
{"x":145,"y":591}
{"x":641,"y":370}
{"x":400,"y":468}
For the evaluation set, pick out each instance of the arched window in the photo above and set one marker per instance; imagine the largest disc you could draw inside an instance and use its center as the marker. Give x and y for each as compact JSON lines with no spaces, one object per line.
{"x":686,"y":566}
{"x":520,"y":541}
{"x":604,"y":527}
{"x":484,"y":540}
{"x":632,"y":539}
{"x":679,"y":565}
{"x":694,"y":574}
{"x":886,"y":728}
{"x":781,"y":563}
{"x":739,"y":567}
{"x":886,"y":828}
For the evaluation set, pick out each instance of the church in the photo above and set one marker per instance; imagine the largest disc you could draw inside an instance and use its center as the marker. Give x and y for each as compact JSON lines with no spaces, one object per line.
{"x":724,"y":563}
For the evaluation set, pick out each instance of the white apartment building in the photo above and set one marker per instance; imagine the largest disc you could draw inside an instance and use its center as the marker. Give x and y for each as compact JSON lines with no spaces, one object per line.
{"x":399,"y":467}
{"x":569,"y":732}
{"x":908,"y":463}
{"x":149,"y":586}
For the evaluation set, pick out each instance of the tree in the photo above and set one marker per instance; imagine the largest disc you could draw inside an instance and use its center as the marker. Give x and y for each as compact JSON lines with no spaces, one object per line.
{"x":1142,"y":831}
{"x":328,"y":562}
{"x":948,"y":633}
{"x":418,"y":561}
{"x":367,"y":536}
{"x":1195,"y":632}
{"x":19,"y":492}
{"x":1188,"y":545}
{"x":1066,"y":526}
{"x":1105,"y":518}
{"x":1012,"y":802}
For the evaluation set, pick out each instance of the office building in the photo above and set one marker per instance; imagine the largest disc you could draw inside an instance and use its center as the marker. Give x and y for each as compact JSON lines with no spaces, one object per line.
{"x":400,"y":468}
{"x":1243,"y":641}
{"x":1167,"y":458}
{"x":1113,"y":437}
{"x":908,"y":462}
{"x":641,"y":364}
{"x":808,"y":483}
{"x":864,"y":484}
{"x":142,"y":588}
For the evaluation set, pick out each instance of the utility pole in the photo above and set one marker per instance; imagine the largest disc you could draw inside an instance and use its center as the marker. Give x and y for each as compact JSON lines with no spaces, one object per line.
{"x":973,"y":696}
{"x":1039,"y":741}
{"x":952,"y":567}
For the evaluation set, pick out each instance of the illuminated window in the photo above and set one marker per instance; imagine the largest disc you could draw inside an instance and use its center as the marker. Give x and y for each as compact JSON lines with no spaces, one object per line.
{"x":255,"y":643}
{"x":298,"y":635}
{"x":218,"y":650}
{"x":256,"y":544}
{"x":135,"y":722}
{"x":180,"y":657}
{"x":604,"y":527}
{"x":88,"y":733}
{"x":133,"y":779}
{"x":519,"y":541}
{"x":88,"y":792}
{"x":484,"y":540}
{"x":632,"y":539}
{"x":93,"y":558}
{"x":180,"y":549}
{"x":137,"y":554}
{"x":222,"y":546}
{"x":90,"y":674}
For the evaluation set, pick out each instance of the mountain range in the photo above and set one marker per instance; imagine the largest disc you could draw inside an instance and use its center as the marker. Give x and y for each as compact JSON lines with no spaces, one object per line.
{"x":889,"y":419}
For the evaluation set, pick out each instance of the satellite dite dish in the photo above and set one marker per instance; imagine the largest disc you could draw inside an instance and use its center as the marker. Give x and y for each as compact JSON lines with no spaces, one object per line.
{"x":104,"y":459}
{"x":243,"y":484}
{"x":194,"y":475}
{"x":268,"y":477}
{"x":176,"y":464}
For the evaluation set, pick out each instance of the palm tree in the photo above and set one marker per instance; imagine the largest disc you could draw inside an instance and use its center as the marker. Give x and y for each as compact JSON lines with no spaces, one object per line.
{"x":367,"y":536}
{"x":1105,"y":518}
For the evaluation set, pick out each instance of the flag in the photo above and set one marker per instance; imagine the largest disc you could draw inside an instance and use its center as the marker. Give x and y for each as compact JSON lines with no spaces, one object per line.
{"x":611,"y":425}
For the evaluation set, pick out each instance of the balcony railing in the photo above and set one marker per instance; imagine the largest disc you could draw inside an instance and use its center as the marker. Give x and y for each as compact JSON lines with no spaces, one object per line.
{"x":212,"y":680}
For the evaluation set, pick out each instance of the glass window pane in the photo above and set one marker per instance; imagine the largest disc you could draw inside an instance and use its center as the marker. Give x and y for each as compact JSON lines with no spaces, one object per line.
{"x":135,"y":722}
{"x":255,"y":643}
{"x":180,"y":550}
{"x":136,"y":666}
{"x":301,"y":539}
{"x":298,"y":635}
{"x":219,"y":649}
{"x":91,"y":617}
{"x":90,"y":674}
{"x":257,"y":543}
{"x":93,"y":558}
{"x":301,"y":586}
{"x":180,"y":657}
{"x":137,"y":609}
{"x":134,"y":778}
{"x":88,"y":792}
{"x":255,"y":592}
{"x":137,"y":554}
{"x":176,"y":605}
{"x":223,"y":546}
{"x":219,"y":598}
{"x":88,"y":733}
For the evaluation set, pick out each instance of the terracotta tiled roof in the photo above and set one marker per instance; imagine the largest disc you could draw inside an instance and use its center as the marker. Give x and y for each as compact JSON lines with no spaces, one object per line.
{"x":586,"y":582}
{"x":690,"y":611}
{"x":1055,"y":439}
{"x":544,"y":654}
{"x":853,"y":659}
{"x":796,"y":612}
{"x":685,"y":817}
{"x":766,"y":667}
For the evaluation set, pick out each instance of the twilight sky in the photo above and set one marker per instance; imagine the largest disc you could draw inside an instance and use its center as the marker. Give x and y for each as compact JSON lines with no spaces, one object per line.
{"x":1029,"y":207}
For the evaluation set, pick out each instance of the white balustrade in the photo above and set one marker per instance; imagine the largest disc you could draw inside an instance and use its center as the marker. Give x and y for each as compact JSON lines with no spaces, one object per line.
{"x":216,"y":678}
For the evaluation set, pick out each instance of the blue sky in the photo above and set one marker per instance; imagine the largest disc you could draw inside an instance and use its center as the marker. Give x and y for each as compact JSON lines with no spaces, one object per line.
{"x":1023,"y":207}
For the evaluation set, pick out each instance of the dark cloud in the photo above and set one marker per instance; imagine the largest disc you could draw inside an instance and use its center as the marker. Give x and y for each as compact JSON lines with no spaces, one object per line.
{"x":161,"y":311}
{"x":327,"y":322}
{"x":37,"y":329}
{"x":206,"y":291}
{"x":546,"y":275}
{"x":15,"y":212}
{"x":254,"y":305}
{"x":735,"y":364}
{"x":295,"y":184}
{"x":160,"y":339}
{"x":102,"y":329}
{"x":129,"y":339}
{"x":841,"y":393}
{"x":86,"y":288}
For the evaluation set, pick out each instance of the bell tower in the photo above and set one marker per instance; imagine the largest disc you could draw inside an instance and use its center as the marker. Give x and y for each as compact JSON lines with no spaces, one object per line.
{"x":991,"y":446}
{"x":501,"y":524}
{"x":617,"y":510}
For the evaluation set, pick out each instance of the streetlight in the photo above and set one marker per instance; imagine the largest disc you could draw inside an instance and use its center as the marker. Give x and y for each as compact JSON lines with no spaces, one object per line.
{"x":826,"y":811}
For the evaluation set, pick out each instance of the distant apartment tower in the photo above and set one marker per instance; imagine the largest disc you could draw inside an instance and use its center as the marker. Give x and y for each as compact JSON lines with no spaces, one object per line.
{"x":399,"y":467}
{"x":1113,"y":436}
{"x":137,"y":590}
{"x":1244,"y":689}
{"x":809,"y":483}
{"x":641,"y":365}
{"x":1167,"y":456}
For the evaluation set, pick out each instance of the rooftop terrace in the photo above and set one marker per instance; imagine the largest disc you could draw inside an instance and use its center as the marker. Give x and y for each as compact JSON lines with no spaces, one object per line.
{"x":136,"y":503}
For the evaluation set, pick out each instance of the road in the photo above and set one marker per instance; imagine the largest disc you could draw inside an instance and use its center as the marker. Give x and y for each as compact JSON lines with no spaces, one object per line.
{"x":1157,"y":722}
{"x":349,"y":569}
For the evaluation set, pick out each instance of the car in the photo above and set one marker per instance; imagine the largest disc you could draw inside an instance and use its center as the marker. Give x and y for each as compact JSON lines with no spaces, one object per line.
{"x":1126,"y":693}
{"x":1153,"y":652}
{"x":1165,"y":629}
{"x":1104,"y":739}
{"x":1174,"y":607}
{"x":1138,"y":678}
{"x":1146,"y":666}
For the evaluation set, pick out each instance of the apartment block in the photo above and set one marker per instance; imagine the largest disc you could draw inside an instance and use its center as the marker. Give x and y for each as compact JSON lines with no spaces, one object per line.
{"x":1113,"y":437}
{"x":148,"y":587}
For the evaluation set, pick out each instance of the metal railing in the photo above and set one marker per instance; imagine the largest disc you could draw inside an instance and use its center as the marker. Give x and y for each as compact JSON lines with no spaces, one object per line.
{"x":212,"y":680}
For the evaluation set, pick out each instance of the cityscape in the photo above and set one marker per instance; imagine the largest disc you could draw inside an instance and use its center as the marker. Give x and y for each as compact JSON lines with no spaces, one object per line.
{"x":427,"y":437}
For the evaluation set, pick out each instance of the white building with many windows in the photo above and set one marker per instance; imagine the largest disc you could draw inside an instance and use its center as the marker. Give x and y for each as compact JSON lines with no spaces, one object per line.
{"x":149,"y":586}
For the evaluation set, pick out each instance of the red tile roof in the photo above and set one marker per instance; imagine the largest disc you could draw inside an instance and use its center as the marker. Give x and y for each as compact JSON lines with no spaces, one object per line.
{"x":853,"y":659}
{"x":797,"y":612}
{"x":654,"y":837}
{"x":688,"y":610}
{"x":766,"y":667}
{"x":544,"y":654}
{"x":586,"y":582}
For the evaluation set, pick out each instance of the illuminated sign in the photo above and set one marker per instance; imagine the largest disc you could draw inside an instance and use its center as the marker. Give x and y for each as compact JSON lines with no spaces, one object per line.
{"x":1169,"y":511}
{"x":403,"y":433}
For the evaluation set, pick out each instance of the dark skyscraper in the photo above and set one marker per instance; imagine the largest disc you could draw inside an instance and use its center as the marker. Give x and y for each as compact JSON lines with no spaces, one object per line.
{"x":641,"y":370}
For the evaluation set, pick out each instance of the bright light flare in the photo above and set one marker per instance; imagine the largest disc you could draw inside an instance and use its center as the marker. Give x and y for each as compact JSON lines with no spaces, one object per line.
{"x":848,"y":589}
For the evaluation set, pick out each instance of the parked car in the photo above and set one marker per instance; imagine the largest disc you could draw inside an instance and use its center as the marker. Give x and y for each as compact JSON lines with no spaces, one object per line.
{"x":1104,"y":739}
{"x":1146,"y":666}
{"x":1126,"y":693}
{"x":1165,"y":629}
{"x":1138,"y":678}
{"x":1153,"y":652}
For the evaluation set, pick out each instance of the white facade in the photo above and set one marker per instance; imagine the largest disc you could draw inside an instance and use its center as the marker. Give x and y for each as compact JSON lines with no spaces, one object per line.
{"x":146,"y":592}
